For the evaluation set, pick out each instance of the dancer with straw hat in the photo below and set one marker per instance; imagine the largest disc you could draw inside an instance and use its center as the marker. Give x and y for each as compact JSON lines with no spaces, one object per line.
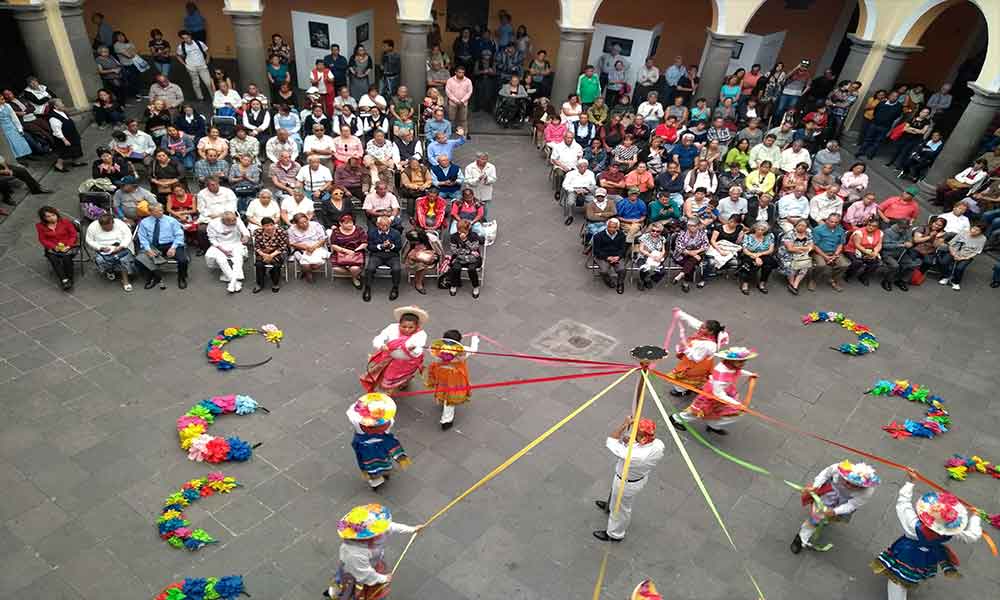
{"x":842,"y":488}
{"x":646,"y":590}
{"x":399,"y":351}
{"x":721,"y":384}
{"x":374,"y":447}
{"x":362,"y":574}
{"x":450,"y":373}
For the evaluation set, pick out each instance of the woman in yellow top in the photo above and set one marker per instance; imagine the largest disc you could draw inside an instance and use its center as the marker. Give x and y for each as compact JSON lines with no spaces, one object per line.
{"x":449,"y":375}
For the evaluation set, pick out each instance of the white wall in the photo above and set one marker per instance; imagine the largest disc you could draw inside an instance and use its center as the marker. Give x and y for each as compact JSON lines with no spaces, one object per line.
{"x":343,"y":31}
{"x":642,"y":41}
{"x":758,"y":49}
{"x":374,"y":46}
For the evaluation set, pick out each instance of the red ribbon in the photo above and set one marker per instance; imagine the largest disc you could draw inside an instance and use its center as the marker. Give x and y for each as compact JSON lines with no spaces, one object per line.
{"x":480,"y":386}
{"x":553,"y":359}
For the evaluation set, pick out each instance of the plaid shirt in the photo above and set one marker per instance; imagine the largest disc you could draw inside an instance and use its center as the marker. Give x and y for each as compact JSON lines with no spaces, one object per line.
{"x":204,"y":169}
{"x":721,"y":135}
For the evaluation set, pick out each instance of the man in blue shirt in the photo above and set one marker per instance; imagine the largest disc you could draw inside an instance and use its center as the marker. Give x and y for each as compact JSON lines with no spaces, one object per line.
{"x":828,"y":240}
{"x":161,"y":238}
{"x":632,"y":213}
{"x":338,"y":66}
{"x":671,"y":76}
{"x":437,"y":124}
{"x":685,"y":152}
{"x":442,"y":146}
{"x":384,"y":245}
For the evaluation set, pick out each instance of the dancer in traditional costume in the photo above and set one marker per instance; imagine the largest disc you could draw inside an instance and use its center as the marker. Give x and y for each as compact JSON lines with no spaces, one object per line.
{"x":374,"y":447}
{"x":646,"y":590}
{"x":362,"y":574}
{"x":843,"y":488}
{"x":450,"y":373}
{"x":695,"y":352}
{"x":646,"y":452}
{"x":722,"y":384}
{"x":921,"y":550}
{"x":399,"y":352}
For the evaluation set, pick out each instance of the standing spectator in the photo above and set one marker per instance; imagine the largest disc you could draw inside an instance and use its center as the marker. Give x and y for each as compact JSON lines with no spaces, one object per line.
{"x":193,"y":55}
{"x":647,"y":81}
{"x":105,"y":33}
{"x":195,"y":22}
{"x":112,"y":74}
{"x":159,"y":49}
{"x":13,"y":131}
{"x":359,"y":71}
{"x":796,"y":86}
{"x":67,"y":137}
{"x":687,"y":84}
{"x":672,"y":76}
{"x":280,"y":49}
{"x":940,"y":101}
{"x":277,"y":74}
{"x":539,"y":75}
{"x":126,"y":53}
{"x":337,"y":64}
{"x":391,"y":68}
{"x":480,"y":176}
{"x":459,"y":92}
{"x":840,"y":102}
{"x":884,"y":116}
{"x":59,"y":239}
{"x":588,"y":85}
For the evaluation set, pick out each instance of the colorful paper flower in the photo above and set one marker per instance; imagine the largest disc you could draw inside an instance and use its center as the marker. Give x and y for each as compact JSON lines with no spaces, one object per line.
{"x":193,"y":425}
{"x":936,"y":420}
{"x":222,"y":359}
{"x":174,"y":528}
{"x":867,"y":342}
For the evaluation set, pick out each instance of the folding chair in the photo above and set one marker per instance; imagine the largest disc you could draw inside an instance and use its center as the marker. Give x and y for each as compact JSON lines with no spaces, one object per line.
{"x":225,"y":124}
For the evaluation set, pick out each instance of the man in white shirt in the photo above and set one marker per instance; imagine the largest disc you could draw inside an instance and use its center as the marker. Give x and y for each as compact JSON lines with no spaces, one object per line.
{"x":794,"y":155}
{"x":316,"y":180}
{"x":651,"y":111}
{"x":480,"y":175}
{"x":701,"y":177}
{"x":579,"y":185}
{"x":319,"y":144}
{"x":381,"y":157}
{"x":766,"y":150}
{"x":296,"y":203}
{"x":371,"y":100}
{"x":228,"y":237}
{"x":564,"y":155}
{"x":793,"y":207}
{"x":140,"y":144}
{"x":282,"y":142}
{"x":214,"y":200}
{"x":380,"y":202}
{"x":646,"y":453}
{"x":226,"y":101}
{"x":955,"y":220}
{"x":733,"y":204}
{"x":647,"y":78}
{"x":193,"y":56}
{"x":253,"y":93}
{"x":823,"y":205}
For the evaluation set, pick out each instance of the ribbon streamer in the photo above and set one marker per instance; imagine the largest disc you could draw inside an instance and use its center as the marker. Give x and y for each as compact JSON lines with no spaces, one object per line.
{"x":631,"y":444}
{"x":545,"y":360}
{"x":515,"y":457}
{"x":697,"y":477}
{"x":600,"y":575}
{"x":480,"y":386}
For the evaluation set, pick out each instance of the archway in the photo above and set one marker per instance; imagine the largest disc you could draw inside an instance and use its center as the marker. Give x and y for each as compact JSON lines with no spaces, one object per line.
{"x":805,"y":36}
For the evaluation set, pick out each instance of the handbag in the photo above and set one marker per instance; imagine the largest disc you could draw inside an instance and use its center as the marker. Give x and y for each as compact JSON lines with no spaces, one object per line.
{"x":801,"y":262}
{"x":897,"y":132}
{"x":917,"y":278}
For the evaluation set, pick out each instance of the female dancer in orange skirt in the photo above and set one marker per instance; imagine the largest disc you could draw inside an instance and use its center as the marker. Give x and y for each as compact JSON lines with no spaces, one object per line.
{"x":450,"y":373}
{"x":695,"y":353}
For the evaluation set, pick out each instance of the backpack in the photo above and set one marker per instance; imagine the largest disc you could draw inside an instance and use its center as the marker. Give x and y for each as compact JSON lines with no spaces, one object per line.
{"x":201,"y":46}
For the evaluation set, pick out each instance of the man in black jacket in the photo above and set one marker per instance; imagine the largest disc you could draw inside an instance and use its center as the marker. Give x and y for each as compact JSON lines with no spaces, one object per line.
{"x":883,"y":119}
{"x":609,"y":251}
{"x":764,"y":203}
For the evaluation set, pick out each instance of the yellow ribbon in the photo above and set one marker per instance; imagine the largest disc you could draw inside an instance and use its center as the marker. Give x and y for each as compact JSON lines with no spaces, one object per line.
{"x":517,"y":455}
{"x":631,"y":444}
{"x":697,"y":477}
{"x":600,"y":575}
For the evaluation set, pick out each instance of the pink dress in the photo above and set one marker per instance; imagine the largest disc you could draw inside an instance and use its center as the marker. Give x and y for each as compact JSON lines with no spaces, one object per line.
{"x":722,"y":384}
{"x":392,"y":370}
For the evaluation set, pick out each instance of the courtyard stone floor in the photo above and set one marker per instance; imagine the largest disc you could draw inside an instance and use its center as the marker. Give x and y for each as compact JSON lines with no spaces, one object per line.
{"x":92,"y":382}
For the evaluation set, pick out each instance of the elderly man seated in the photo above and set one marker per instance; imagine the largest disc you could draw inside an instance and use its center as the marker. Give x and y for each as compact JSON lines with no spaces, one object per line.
{"x":825,"y":204}
{"x":381,"y":157}
{"x":609,"y":247}
{"x":131,"y":202}
{"x":384,"y":246}
{"x":281,"y":142}
{"x":578,"y":188}
{"x":213,"y":201}
{"x":631,"y":214}
{"x":316,"y":180}
{"x":228,"y":237}
{"x":828,"y":251}
{"x":211,"y":166}
{"x":792,"y":207}
{"x":563,"y":159}
{"x":447,"y":177}
{"x":898,"y":256}
{"x":444,"y":146}
{"x":110,"y":240}
{"x":380,"y":202}
{"x":161,"y":237}
{"x":297,"y":204}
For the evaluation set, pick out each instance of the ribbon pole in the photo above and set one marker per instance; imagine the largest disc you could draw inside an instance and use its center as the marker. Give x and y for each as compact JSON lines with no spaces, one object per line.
{"x":516,"y":456}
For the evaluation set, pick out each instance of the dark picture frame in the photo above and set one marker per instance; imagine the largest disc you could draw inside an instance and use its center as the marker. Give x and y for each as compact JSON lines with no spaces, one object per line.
{"x":737,"y":51}
{"x":466,"y":13}
{"x":319,"y":35}
{"x":624,"y":43}
{"x":361,"y":33}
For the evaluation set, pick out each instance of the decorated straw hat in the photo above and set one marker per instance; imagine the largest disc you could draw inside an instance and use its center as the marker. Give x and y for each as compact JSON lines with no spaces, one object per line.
{"x":942,"y":513}
{"x":446,"y":346}
{"x":859,"y":474}
{"x":375,"y":409}
{"x":736,"y":353}
{"x":364,"y":522}
{"x":421,"y":314}
{"x":646,"y":590}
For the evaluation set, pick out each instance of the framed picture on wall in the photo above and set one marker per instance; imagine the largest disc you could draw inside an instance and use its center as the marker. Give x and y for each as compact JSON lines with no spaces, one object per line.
{"x":623,"y":43}
{"x":737,"y":50}
{"x":361,"y":33}
{"x":654,"y":46}
{"x":319,"y":35}
{"x":467,"y":13}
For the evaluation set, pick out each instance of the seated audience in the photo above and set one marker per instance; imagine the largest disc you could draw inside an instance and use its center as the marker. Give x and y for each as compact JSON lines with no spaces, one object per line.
{"x":828,"y":251}
{"x":161,"y":238}
{"x":609,"y":248}
{"x":756,"y":258}
{"x":961,"y":251}
{"x":690,"y":246}
{"x":227,"y":236}
{"x":794,"y":255}
{"x":270,"y":243}
{"x":110,"y":240}
{"x":864,"y":250}
{"x":60,"y":241}
{"x":465,"y":245}
{"x":384,"y":246}
{"x":348,"y":243}
{"x":307,"y":239}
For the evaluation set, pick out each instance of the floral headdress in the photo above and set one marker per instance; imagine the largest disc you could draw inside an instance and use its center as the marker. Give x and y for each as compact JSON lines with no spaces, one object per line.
{"x":375,"y":409}
{"x":736,"y":353}
{"x":859,"y":474}
{"x":364,"y":522}
{"x":942,"y":513}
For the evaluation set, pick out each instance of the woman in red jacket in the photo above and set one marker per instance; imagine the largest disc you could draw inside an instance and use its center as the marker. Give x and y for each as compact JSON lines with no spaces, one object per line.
{"x":58,"y":236}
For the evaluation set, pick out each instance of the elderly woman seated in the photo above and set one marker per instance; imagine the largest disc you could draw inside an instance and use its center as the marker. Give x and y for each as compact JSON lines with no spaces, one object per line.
{"x":59,"y":239}
{"x":690,"y":246}
{"x":467,"y":208}
{"x":757,"y":258}
{"x":466,"y":252}
{"x":348,"y":243}
{"x":652,"y":259}
{"x":725,"y":243}
{"x":270,"y":244}
{"x":308,"y":242}
{"x":423,"y":252}
{"x":794,"y":255}
{"x":864,"y":250}
{"x":110,"y":240}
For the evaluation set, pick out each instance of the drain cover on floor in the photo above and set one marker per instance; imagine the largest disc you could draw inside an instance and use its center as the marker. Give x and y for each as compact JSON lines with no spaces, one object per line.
{"x":574,"y":339}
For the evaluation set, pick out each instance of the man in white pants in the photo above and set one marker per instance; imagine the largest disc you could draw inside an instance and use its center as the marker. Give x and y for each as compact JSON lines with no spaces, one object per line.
{"x":645,"y":454}
{"x":228,"y":237}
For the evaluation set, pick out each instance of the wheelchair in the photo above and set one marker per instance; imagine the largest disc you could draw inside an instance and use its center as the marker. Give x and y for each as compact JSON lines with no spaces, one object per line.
{"x":510,"y":112}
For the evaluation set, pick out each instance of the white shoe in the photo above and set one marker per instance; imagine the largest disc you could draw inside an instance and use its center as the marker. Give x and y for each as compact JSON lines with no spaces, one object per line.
{"x":223,"y":278}
{"x":956,"y":287}
{"x":231,"y":287}
{"x":943,"y":281}
{"x":238,"y":286}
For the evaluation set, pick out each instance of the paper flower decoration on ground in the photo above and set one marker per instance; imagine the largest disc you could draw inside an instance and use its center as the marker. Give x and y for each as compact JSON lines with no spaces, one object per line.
{"x":192,"y":429}
{"x":211,"y":588}
{"x":960,"y":466}
{"x":867,"y":342}
{"x":936,"y":420}
{"x":173,"y":527}
{"x":216,"y":351}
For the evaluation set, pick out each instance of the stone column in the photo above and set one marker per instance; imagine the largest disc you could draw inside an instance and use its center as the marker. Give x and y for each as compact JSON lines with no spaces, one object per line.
{"x":79,"y":40}
{"x":958,"y":150}
{"x":860,"y":48}
{"x":45,"y":63}
{"x":569,"y":62}
{"x":251,"y":60}
{"x":413,"y":56}
{"x":885,"y":79}
{"x":718,"y":51}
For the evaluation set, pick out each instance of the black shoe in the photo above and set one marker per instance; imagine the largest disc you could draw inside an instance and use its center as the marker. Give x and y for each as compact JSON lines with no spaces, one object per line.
{"x":620,"y":288}
{"x":903,"y":286}
{"x":421,"y":291}
{"x":393,"y":294}
{"x":569,"y":220}
{"x":677,"y":424}
{"x":603,"y":536}
{"x":886,"y":285}
{"x":685,"y":287}
{"x":446,"y":426}
{"x":42,"y":190}
{"x":182,"y":282}
{"x":677,"y":393}
{"x":67,"y":284}
{"x":152,"y":282}
{"x":256,"y":289}
{"x":711,"y":429}
{"x":796,"y":546}
{"x":603,"y":505}
{"x":367,"y":295}
{"x":863,"y":280}
{"x":762,"y":288}
{"x":275,"y":289}
{"x":200,"y":252}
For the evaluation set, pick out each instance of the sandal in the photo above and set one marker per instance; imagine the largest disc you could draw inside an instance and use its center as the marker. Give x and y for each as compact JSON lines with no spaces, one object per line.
{"x":127,"y":287}
{"x":745,"y":289}
{"x":762,"y":288}
{"x":793,"y":290}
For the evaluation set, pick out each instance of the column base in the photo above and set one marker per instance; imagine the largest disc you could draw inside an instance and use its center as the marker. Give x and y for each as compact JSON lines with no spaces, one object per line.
{"x":927,"y":190}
